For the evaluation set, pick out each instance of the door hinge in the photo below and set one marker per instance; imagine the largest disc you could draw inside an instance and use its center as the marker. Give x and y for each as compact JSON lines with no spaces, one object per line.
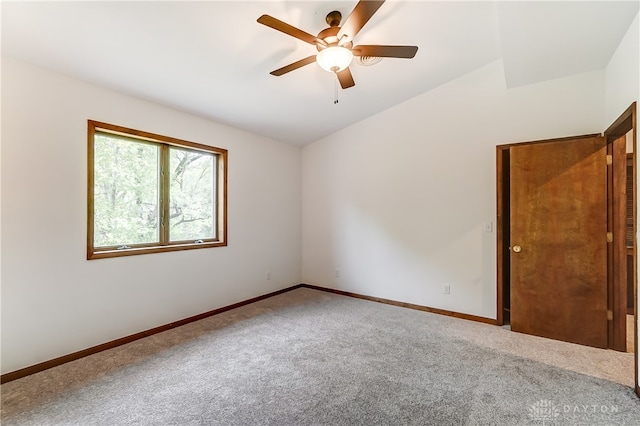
{"x":609,"y":315}
{"x":609,"y":159}
{"x":609,"y":237}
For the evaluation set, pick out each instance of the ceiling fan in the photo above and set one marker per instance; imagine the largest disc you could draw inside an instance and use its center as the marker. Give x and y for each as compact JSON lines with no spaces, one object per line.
{"x":335,"y":44}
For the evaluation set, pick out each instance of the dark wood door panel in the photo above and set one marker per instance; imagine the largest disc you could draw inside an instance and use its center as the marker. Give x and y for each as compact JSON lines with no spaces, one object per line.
{"x":559,"y":219}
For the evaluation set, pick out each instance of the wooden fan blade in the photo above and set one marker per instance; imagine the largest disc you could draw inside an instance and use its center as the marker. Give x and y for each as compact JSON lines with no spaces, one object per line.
{"x":294,"y":66}
{"x":385,"y":51}
{"x":345,"y":78}
{"x":277,"y":24}
{"x":360,"y":15}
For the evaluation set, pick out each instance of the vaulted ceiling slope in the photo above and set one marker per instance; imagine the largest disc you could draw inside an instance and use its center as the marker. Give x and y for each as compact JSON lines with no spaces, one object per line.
{"x":213,"y":59}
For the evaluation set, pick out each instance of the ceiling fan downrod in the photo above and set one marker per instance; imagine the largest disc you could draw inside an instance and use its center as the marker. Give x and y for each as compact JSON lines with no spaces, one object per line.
{"x":333,"y":18}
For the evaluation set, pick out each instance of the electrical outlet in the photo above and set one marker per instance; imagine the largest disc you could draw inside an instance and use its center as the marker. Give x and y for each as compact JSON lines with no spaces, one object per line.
{"x":268,"y":275}
{"x":446,"y":289}
{"x":488,"y":227}
{"x":337,"y":274}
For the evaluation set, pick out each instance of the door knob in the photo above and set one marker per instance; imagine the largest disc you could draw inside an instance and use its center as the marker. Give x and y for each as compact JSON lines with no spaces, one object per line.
{"x":517,"y":249}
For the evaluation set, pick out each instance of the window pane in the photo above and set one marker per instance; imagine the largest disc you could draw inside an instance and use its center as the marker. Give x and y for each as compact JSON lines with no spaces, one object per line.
{"x":125,"y":192}
{"x":192,"y":198}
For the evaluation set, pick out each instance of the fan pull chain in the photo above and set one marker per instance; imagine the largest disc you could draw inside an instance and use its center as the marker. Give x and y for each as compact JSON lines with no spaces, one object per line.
{"x":335,"y":91}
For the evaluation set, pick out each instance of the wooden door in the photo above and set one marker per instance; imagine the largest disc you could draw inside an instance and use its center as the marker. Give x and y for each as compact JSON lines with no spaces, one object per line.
{"x":558,"y":240}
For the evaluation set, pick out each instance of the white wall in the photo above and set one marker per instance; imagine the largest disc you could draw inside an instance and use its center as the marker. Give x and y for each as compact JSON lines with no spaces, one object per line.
{"x":623,"y":88}
{"x":398,"y":203}
{"x":55,"y":302}
{"x":623,"y":75}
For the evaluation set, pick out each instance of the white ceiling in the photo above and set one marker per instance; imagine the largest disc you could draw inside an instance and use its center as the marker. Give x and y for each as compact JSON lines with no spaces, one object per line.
{"x":213,"y":59}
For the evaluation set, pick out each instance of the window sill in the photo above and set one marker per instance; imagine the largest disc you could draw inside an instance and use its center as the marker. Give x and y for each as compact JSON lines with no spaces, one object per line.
{"x":103,"y":254}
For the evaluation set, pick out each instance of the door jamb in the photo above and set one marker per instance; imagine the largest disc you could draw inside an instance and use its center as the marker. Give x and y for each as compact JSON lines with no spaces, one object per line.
{"x":625,"y":123}
{"x":616,"y":248}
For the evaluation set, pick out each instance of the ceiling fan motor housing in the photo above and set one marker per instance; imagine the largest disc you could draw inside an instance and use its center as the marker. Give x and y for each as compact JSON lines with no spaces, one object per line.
{"x":330,"y":35}
{"x":367,"y":61}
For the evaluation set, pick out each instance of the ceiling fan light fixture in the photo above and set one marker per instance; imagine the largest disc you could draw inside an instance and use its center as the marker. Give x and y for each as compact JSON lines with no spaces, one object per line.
{"x":334,"y":58}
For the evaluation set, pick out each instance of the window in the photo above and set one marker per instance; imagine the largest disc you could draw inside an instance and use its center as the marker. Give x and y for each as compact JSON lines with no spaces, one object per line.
{"x":150,"y":193}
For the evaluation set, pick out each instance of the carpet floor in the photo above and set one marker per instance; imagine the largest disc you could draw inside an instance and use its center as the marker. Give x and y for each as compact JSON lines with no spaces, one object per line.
{"x":308,"y":357}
